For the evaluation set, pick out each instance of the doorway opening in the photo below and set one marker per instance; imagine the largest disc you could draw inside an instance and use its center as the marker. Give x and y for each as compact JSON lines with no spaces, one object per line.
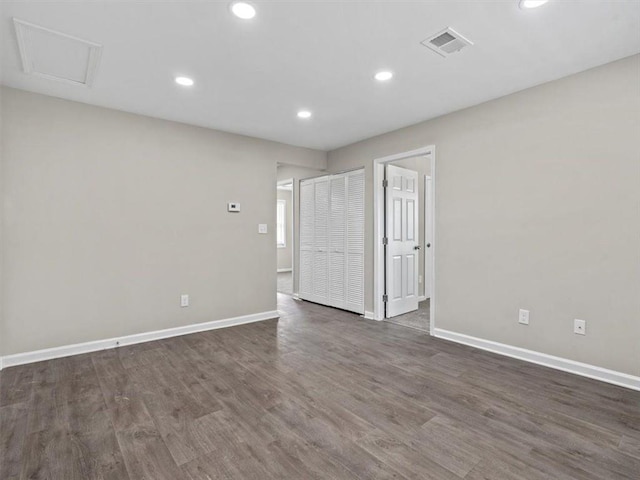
{"x":284,"y":236}
{"x":404,"y":273}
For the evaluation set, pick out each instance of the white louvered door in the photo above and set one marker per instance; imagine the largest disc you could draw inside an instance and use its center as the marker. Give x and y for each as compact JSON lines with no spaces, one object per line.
{"x":337,"y":246}
{"x":307,"y":223}
{"x":332,"y":240}
{"x":355,"y":242}
{"x":321,"y":240}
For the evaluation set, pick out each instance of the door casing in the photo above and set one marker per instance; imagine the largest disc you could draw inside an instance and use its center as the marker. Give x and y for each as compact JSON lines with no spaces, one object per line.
{"x":378,"y":231}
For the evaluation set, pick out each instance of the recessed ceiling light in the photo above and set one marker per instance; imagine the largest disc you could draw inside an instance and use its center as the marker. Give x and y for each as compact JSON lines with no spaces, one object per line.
{"x":243,"y":10}
{"x":384,"y":75}
{"x":184,"y":81}
{"x":304,"y":114}
{"x":532,"y":3}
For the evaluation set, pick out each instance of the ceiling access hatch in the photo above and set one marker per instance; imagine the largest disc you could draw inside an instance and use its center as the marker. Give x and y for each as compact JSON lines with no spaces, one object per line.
{"x":446,"y":42}
{"x":55,"y":55}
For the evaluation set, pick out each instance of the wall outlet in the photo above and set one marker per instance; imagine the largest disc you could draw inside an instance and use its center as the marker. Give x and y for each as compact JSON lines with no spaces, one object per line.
{"x":419,"y":278}
{"x":523,"y":317}
{"x":184,"y":300}
{"x":580,"y":327}
{"x":262,"y":228}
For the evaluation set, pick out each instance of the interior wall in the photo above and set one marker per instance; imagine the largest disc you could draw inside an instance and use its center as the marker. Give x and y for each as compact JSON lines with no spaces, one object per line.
{"x":111,"y":216}
{"x":2,"y":334}
{"x":285,"y":254}
{"x":536,"y":207}
{"x":297,"y":173}
{"x":422,"y":165}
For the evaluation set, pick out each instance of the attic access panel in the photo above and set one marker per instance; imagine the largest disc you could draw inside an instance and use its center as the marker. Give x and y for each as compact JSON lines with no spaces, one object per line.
{"x":55,"y":55}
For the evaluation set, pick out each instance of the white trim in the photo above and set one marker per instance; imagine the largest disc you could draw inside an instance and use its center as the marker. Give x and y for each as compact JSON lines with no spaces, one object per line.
{"x":296,"y":297}
{"x":283,"y":270}
{"x":558,"y":363}
{"x":283,"y":202}
{"x":369,"y":315}
{"x":96,"y":345}
{"x":378,"y":229}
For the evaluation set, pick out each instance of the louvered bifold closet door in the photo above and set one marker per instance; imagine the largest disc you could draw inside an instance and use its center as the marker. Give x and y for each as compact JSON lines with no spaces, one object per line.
{"x":307,"y":228}
{"x":337,"y":241}
{"x":332,"y":240}
{"x":321,"y":241}
{"x":355,"y":242}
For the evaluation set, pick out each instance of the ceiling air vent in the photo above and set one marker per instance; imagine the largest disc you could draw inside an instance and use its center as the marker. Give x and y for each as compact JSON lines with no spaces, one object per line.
{"x":446,"y":42}
{"x":56,"y":55}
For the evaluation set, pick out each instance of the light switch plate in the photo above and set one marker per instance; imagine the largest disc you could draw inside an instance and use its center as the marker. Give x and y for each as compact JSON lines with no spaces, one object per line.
{"x":523,"y":317}
{"x":580,"y":327}
{"x":184,"y":300}
{"x":233,"y":207}
{"x":262,"y":228}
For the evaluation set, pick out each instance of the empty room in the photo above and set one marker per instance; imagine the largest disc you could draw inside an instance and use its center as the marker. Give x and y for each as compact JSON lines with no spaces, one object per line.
{"x":320,"y":240}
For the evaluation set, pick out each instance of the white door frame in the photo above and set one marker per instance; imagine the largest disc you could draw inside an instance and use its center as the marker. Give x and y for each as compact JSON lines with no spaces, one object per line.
{"x":378,"y":229}
{"x":291,"y":181}
{"x":428,"y":227}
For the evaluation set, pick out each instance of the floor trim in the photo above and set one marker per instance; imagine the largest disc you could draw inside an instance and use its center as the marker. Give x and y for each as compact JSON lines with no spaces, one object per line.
{"x":559,"y":363}
{"x":369,"y":315}
{"x":284,"y":270}
{"x":86,"y":347}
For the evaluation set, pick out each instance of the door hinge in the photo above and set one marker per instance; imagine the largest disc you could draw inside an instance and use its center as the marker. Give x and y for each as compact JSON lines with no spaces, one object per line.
{"x":385,"y":298}
{"x":385,"y":183}
{"x":385,"y":241}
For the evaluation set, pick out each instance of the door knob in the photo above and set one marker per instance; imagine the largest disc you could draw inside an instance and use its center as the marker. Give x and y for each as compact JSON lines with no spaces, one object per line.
{"x":428,"y":245}
{"x":417,"y":247}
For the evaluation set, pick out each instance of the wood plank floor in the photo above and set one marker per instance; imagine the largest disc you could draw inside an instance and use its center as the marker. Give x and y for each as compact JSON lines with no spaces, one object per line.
{"x":318,"y":394}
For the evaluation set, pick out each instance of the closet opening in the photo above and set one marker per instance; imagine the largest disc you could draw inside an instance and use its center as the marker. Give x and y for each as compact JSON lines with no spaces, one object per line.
{"x":332,"y":240}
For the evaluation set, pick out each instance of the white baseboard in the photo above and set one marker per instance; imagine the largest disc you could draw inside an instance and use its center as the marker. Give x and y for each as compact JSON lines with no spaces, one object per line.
{"x":559,"y":363}
{"x":296,"y":297}
{"x":86,"y":347}
{"x":283,"y":270}
{"x":369,"y":315}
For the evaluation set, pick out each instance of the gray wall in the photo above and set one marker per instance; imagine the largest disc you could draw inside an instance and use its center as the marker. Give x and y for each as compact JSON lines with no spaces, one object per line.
{"x":537,"y":198}
{"x":2,"y":334}
{"x":111,"y":216}
{"x":285,"y":255}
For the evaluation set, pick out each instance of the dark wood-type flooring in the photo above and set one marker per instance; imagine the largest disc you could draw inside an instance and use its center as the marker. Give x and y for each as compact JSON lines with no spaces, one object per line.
{"x":318,"y":394}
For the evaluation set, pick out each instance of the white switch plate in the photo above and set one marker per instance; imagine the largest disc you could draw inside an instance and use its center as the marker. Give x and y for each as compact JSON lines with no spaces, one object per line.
{"x":184,"y":300}
{"x":262,"y":228}
{"x":419,"y":278}
{"x":233,"y":207}
{"x":580,"y":327}
{"x":523,"y":317}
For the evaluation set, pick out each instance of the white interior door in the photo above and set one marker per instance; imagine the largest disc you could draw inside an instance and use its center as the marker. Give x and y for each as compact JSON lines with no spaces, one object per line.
{"x":428,"y":233}
{"x":337,"y":241}
{"x":307,"y":233}
{"x":321,"y":240}
{"x":401,"y":219}
{"x":332,"y":240}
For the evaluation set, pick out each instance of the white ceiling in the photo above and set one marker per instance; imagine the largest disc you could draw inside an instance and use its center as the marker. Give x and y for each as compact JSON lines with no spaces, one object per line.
{"x":253,"y":75}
